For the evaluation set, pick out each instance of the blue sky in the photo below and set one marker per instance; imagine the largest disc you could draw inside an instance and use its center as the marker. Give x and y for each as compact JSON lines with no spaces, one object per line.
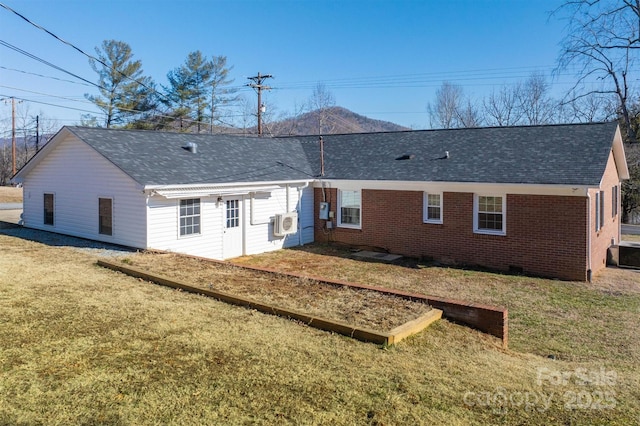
{"x":382,"y":59}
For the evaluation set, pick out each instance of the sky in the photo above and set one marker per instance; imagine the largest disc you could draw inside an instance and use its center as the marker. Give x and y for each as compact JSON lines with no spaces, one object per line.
{"x":380,"y":58}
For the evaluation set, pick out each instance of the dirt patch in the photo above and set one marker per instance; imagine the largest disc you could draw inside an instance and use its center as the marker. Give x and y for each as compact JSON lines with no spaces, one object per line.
{"x":361,"y":308}
{"x":10,"y":194}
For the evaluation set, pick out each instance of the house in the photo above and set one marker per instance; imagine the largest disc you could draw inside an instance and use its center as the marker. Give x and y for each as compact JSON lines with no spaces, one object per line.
{"x":211,"y":196}
{"x":542,"y":200}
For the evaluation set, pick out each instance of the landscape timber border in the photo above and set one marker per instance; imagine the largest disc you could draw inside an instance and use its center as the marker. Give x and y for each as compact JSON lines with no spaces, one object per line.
{"x":382,"y":338}
{"x":493,"y":320}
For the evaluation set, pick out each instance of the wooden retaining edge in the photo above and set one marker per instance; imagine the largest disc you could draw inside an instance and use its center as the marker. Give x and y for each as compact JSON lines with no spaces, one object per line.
{"x":493,"y":320}
{"x":362,"y":334}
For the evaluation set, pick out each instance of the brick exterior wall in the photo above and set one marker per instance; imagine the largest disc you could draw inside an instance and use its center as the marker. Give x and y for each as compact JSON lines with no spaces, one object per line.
{"x":546,"y":235}
{"x":609,"y":234}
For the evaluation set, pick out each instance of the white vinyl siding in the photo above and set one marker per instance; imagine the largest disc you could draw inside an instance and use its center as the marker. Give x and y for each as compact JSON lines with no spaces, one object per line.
{"x":260,"y":210}
{"x":257,"y":212}
{"x":350,"y":209}
{"x":490,"y":214}
{"x":163,"y":216}
{"x":432,"y":210}
{"x":78,"y":175}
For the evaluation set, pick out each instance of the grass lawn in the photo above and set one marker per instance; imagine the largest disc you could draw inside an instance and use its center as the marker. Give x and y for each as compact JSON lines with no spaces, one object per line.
{"x":85,"y":345}
{"x":9,"y":194}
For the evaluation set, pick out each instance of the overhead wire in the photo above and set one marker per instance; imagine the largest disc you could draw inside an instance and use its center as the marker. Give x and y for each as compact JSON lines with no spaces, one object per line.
{"x":37,"y":58}
{"x":44,"y":76}
{"x":40,"y":27}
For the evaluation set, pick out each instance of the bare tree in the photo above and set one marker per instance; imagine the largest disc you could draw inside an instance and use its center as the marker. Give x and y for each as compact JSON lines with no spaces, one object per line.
{"x":469,"y":115}
{"x":320,"y":102}
{"x":602,"y":42}
{"x":452,"y":109}
{"x":536,"y":105}
{"x":588,"y":109}
{"x":501,"y":108}
{"x":443,"y":113}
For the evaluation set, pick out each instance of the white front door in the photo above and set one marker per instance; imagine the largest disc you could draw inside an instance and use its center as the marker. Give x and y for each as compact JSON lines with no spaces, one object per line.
{"x":232,"y":241}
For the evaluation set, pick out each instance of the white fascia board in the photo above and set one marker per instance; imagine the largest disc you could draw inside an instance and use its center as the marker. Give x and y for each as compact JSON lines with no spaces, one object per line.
{"x":200,"y":190}
{"x":471,"y":187}
{"x":619,"y":156}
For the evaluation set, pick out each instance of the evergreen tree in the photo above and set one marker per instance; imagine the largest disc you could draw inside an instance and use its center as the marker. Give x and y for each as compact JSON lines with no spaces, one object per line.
{"x":124,"y":91}
{"x":221,"y":94}
{"x":189,"y":89}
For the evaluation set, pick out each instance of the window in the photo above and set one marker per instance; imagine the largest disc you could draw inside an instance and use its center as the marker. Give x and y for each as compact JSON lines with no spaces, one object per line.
{"x":48,"y":209}
{"x":614,"y":201}
{"x":599,"y":210}
{"x":190,"y":216}
{"x":349,"y":203}
{"x":105,"y":216}
{"x":432,"y":208}
{"x":489,"y":214}
{"x":233,"y":213}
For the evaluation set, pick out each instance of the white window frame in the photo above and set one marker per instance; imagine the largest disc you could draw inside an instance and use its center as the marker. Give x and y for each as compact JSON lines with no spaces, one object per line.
{"x":614,"y":201}
{"x":180,"y":217}
{"x":426,"y":205}
{"x":349,"y":225}
{"x":476,"y":212}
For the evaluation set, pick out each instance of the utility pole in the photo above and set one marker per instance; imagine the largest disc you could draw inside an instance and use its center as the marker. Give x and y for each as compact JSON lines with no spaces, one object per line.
{"x":257,"y":84}
{"x":37,"y":132}
{"x":13,"y":134}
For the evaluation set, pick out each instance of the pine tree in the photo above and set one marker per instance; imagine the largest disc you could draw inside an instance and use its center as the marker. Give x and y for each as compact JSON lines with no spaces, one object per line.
{"x":124,"y":92}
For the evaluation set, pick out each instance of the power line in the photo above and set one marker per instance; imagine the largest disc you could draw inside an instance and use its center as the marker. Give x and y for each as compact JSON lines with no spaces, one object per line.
{"x":73,"y":46}
{"x":34,"y":57}
{"x":43,"y":76}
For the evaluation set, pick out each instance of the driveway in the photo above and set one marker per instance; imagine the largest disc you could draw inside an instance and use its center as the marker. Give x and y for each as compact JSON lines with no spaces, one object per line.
{"x":9,"y":218}
{"x":631,"y":229}
{"x":10,"y":206}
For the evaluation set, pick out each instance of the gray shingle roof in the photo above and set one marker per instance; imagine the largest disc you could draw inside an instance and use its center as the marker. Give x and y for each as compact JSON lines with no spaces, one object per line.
{"x":158,"y":158}
{"x":573,"y":154}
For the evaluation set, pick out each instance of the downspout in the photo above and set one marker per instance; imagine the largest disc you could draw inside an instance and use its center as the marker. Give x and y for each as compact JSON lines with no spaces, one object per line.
{"x":588,"y":236}
{"x":300,"y":193}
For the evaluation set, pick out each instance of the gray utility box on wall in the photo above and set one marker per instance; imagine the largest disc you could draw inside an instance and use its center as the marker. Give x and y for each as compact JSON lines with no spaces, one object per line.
{"x":324,"y":211}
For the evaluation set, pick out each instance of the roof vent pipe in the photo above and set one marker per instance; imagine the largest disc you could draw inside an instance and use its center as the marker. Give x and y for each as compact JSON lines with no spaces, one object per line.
{"x":321,"y":157}
{"x":191,"y":147}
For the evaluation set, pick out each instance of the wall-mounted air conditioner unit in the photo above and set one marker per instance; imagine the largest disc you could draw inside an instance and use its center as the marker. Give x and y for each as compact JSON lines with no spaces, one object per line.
{"x":285,"y":224}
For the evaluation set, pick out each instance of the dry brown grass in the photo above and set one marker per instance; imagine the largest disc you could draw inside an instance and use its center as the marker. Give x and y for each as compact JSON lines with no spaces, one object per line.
{"x":9,"y":194}
{"x":629,"y":237}
{"x":359,"y":308}
{"x":85,"y":345}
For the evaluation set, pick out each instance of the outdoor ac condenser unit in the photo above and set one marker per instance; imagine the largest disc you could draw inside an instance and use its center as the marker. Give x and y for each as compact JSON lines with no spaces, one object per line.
{"x":285,"y":224}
